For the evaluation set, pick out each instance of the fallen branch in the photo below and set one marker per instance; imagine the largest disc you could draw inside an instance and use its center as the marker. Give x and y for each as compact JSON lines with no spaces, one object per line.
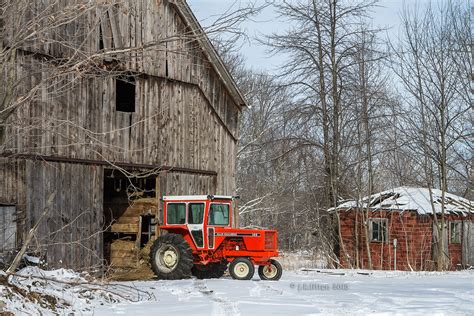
{"x":93,"y":286}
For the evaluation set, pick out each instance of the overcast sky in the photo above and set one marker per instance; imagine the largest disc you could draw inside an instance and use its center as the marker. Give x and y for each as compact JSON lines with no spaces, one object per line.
{"x":387,"y":15}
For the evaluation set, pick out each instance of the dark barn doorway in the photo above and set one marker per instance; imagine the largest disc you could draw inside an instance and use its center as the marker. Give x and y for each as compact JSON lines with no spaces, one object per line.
{"x":130,"y":210}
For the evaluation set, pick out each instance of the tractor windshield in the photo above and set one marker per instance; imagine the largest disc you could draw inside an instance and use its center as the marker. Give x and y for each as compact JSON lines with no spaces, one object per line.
{"x":219,"y":214}
{"x":196,"y":213}
{"x":176,"y":213}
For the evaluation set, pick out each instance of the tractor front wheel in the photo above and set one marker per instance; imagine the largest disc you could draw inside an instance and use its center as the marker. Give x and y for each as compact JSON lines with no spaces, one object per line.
{"x":241,"y":269}
{"x":171,"y":257}
{"x":210,"y":271}
{"x":271,"y":272}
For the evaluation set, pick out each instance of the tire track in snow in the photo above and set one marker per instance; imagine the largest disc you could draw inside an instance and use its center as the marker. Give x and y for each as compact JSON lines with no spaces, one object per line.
{"x":263,"y":285}
{"x":267,"y":286}
{"x":222,"y":306}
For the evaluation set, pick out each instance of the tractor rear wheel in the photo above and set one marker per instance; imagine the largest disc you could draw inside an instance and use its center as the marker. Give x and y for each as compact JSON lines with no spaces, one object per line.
{"x":212,"y":270}
{"x":171,"y":257}
{"x":271,"y":272}
{"x":241,"y":269}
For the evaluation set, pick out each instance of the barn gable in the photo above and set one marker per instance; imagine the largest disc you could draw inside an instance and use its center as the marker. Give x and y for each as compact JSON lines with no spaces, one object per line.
{"x":209,"y":50}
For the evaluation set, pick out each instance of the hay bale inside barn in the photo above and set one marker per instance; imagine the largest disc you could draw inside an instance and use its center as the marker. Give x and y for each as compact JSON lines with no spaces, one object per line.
{"x":401,"y":230}
{"x":155,"y":114}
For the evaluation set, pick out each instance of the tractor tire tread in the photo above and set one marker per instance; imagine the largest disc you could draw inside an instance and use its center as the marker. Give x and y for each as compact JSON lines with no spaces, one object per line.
{"x":183,"y":269}
{"x":250,"y":265}
{"x":277,"y":276}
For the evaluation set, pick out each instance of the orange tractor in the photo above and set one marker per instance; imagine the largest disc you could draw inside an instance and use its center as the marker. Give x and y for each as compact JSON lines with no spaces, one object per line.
{"x":201,"y":241}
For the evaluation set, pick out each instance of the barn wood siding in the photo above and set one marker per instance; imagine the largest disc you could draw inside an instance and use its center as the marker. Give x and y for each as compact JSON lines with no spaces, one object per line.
{"x":174,"y":125}
{"x":7,"y":232}
{"x":70,"y":233}
{"x":163,"y":46}
{"x":185,"y":116}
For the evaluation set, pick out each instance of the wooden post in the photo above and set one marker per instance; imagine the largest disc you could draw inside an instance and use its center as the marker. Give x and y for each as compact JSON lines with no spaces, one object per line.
{"x":158,"y":206}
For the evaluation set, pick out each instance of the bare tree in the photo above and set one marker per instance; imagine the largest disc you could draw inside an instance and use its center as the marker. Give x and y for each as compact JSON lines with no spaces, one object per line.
{"x":319,"y":46}
{"x":430,"y":63}
{"x":328,"y":60}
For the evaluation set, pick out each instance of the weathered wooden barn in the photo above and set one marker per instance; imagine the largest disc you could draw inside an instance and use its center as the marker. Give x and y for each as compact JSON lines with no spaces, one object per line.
{"x":148,"y":109}
{"x":401,"y":230}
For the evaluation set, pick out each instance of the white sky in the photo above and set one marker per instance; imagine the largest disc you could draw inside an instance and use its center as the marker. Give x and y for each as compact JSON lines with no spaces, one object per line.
{"x":387,"y":15}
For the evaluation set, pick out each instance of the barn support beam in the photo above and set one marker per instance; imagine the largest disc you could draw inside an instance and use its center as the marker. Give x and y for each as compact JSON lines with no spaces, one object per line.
{"x":127,"y":165}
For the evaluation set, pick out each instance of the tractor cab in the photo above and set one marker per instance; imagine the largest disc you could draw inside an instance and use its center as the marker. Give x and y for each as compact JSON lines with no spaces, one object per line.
{"x":198,"y":237}
{"x":197,"y":217}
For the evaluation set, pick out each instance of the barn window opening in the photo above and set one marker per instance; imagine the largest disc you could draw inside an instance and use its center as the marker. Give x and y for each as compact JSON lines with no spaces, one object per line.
{"x":378,"y":230}
{"x":455,"y":232}
{"x":101,"y":39}
{"x":125,"y":94}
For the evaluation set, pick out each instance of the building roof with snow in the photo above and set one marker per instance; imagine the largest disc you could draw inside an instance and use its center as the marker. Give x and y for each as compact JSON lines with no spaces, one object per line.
{"x":411,"y":199}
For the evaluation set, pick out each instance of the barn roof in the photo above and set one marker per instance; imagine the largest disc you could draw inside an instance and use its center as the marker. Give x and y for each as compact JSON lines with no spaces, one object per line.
{"x":411,"y":199}
{"x":192,"y":22}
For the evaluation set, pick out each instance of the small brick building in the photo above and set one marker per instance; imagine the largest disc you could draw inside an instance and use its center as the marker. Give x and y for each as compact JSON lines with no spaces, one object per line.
{"x":402,"y":232}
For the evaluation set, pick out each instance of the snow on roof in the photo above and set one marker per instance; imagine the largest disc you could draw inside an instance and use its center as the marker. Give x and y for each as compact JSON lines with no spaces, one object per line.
{"x":411,"y":199}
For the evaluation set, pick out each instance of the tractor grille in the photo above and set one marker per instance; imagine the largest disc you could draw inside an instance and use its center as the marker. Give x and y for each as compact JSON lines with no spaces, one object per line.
{"x":270,"y":240}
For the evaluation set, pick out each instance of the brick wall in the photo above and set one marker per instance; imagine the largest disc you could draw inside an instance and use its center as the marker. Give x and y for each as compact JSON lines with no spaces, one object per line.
{"x":413,"y":232}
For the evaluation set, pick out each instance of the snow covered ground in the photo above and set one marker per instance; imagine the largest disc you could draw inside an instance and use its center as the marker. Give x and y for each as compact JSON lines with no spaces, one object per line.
{"x":327,"y":292}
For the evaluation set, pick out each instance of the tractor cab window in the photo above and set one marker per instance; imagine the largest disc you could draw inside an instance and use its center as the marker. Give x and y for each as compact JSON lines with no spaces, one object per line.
{"x":219,"y":214}
{"x":176,"y":213}
{"x":196,"y":213}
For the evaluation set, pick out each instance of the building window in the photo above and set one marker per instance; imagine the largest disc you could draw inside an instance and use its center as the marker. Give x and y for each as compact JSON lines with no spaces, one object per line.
{"x":378,"y":230}
{"x":125,"y":94}
{"x":455,"y":232}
